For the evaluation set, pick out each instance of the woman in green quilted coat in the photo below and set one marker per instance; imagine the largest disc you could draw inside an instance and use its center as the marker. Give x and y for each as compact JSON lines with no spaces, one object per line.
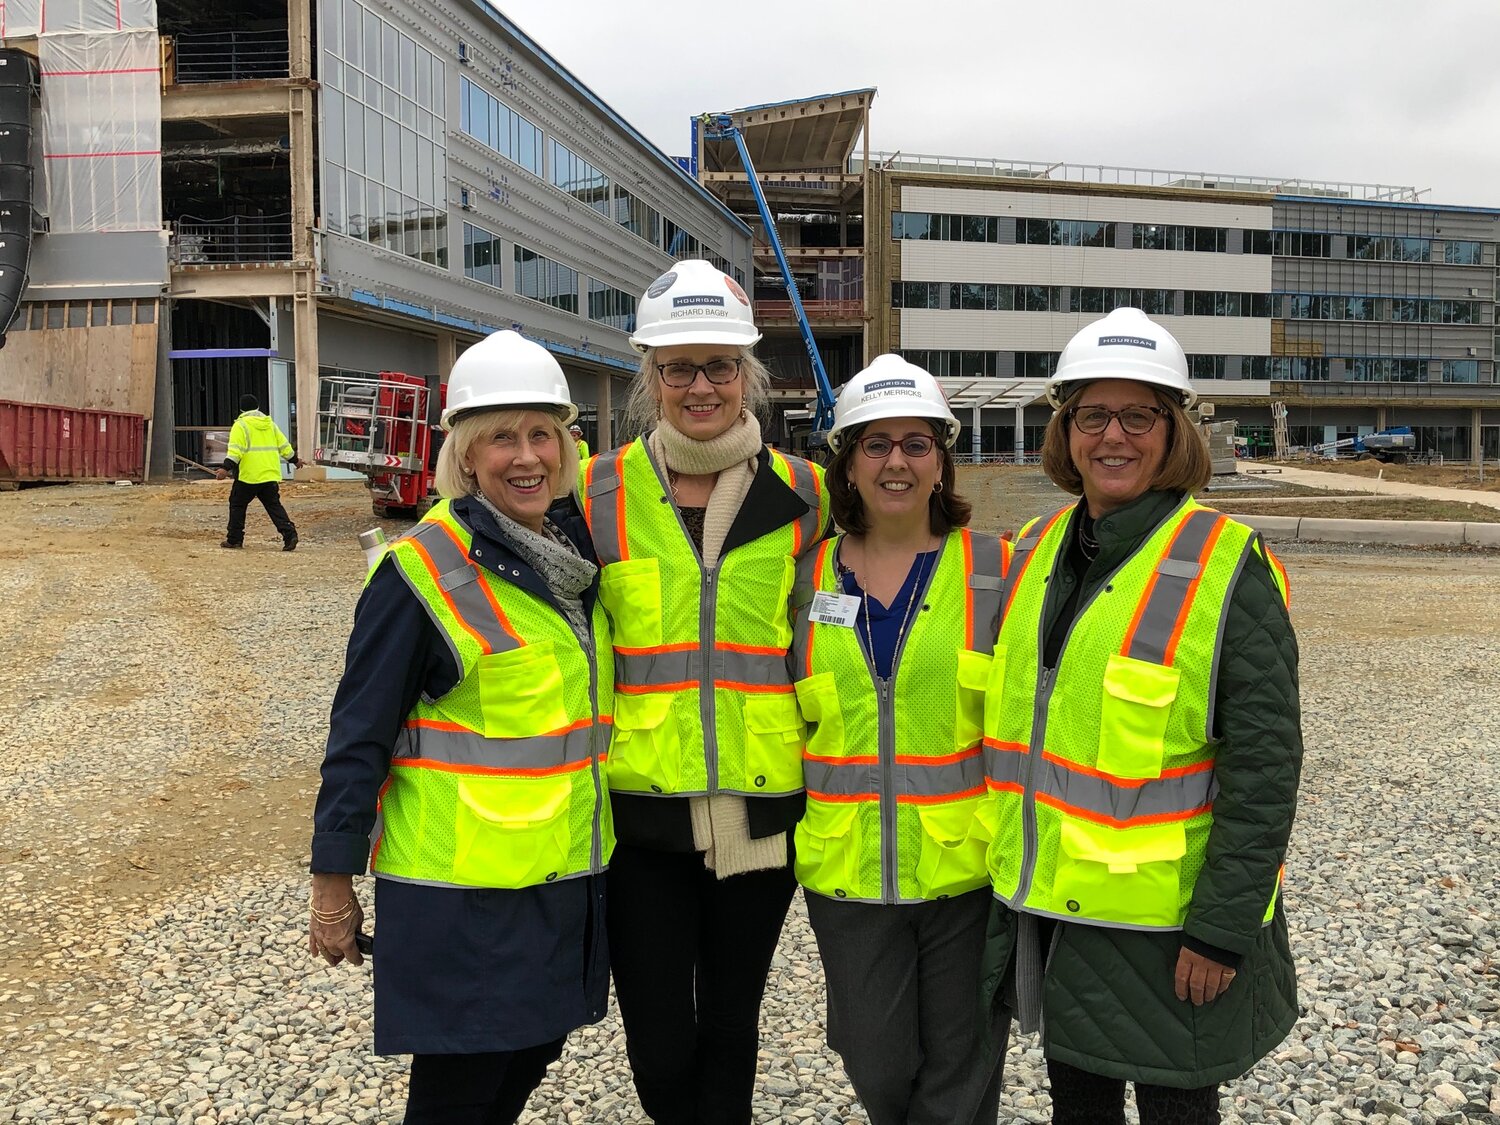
{"x":1143,"y":749}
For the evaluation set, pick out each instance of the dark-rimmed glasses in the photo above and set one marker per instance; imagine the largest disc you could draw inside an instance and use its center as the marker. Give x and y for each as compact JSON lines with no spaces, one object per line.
{"x":877,"y":447}
{"x":1134,"y":420}
{"x":680,"y":376}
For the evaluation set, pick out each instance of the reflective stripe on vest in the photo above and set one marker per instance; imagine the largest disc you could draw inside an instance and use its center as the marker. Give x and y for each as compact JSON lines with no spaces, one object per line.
{"x":704,"y":701}
{"x":497,"y":783}
{"x":1102,"y":770}
{"x":899,"y":825}
{"x":258,"y":446}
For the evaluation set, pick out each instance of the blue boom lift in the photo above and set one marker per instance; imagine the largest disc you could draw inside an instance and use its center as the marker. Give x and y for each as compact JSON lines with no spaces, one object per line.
{"x":721,"y":126}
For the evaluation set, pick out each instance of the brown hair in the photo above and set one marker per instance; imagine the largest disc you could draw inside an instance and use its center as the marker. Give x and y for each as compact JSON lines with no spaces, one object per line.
{"x":1185,"y":467}
{"x":946,"y":509}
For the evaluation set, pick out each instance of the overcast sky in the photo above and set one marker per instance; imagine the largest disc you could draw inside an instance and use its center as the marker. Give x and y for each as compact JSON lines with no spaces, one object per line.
{"x":1384,"y":91}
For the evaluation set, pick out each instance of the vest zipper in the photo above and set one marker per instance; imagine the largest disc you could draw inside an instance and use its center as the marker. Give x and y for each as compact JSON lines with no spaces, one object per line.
{"x":885,"y":729}
{"x":706,"y":694}
{"x":1046,"y":681}
{"x":594,"y":734}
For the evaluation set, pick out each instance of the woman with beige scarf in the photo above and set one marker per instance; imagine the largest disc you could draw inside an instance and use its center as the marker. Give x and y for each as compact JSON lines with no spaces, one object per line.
{"x":698,"y":526}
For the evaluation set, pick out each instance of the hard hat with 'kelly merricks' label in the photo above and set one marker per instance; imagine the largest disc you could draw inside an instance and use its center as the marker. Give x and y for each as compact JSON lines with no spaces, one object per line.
{"x":1126,"y":344}
{"x":694,"y":303}
{"x":505,"y":370}
{"x":891,"y":388}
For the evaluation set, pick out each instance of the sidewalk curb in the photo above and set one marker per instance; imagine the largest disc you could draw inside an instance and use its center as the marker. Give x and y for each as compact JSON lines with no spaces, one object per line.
{"x":1396,"y":533}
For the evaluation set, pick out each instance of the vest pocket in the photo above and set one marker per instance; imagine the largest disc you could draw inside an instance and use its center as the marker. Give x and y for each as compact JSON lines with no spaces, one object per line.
{"x":818,"y":700}
{"x":1126,"y":875}
{"x":511,"y":831}
{"x":773,"y":743}
{"x":973,"y":683}
{"x":1134,"y":711}
{"x":645,"y":755}
{"x":631,"y":592}
{"x":521,"y":692}
{"x":827,"y":849}
{"x":953,"y":846}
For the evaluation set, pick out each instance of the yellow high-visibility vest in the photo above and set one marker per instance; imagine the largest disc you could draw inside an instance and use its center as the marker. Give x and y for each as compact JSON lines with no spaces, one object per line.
{"x":499,"y":782}
{"x":259,"y":446}
{"x":894,"y":769}
{"x":703,"y":699}
{"x":1102,"y":769}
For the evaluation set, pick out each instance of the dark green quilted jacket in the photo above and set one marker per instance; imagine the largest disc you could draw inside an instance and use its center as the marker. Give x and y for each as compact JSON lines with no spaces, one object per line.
{"x":1109,"y":1004}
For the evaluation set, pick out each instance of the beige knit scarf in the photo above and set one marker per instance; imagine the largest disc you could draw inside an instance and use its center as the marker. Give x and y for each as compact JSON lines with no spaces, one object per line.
{"x":721,"y":823}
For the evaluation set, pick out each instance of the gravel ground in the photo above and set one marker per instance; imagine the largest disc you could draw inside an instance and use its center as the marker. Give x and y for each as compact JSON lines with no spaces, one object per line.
{"x":154,"y":813}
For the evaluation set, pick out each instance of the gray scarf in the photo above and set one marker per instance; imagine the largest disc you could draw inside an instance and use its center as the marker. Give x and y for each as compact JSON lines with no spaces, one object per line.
{"x":552,"y":555}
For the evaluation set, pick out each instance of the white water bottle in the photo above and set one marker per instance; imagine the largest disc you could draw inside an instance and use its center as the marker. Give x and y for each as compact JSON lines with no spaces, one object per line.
{"x":373,"y":544}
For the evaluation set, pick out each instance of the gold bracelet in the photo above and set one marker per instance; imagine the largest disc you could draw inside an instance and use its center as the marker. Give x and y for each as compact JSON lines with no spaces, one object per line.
{"x":334,"y":917}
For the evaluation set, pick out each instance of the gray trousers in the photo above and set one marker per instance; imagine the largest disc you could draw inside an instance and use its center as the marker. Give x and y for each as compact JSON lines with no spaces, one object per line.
{"x":904,"y":1009}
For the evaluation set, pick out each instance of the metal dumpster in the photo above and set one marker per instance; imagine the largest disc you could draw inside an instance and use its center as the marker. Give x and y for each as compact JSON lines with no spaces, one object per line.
{"x":60,"y":443}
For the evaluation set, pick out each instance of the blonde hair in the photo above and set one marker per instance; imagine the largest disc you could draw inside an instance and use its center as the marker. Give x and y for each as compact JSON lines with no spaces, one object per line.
{"x":454,"y":481}
{"x":643,"y":406}
{"x":1185,"y":466}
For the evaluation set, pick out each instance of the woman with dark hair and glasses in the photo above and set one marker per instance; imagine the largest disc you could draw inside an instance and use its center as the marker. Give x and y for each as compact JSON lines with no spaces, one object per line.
{"x":698,"y":526}
{"x":1143,"y":748}
{"x":896,"y":623}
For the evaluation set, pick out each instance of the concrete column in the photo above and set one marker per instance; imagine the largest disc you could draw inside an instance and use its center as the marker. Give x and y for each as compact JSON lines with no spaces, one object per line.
{"x":976,"y":442}
{"x":164,"y":412}
{"x":1379,"y":418}
{"x":299,"y":37}
{"x":1476,"y":436}
{"x":305,"y":328}
{"x":1020,"y":434}
{"x":604,"y":383}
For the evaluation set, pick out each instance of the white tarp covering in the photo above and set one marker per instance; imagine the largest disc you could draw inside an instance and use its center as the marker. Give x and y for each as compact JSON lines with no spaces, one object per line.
{"x":25,"y":18}
{"x":101,"y":130}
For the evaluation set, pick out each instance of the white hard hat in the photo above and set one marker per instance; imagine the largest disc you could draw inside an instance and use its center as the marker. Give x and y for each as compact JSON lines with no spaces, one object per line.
{"x":694,"y":303}
{"x":506,"y":370}
{"x":1124,"y":345}
{"x":890,"y":388}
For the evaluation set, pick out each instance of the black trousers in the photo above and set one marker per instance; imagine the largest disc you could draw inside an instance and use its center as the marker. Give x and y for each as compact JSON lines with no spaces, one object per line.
{"x":690,"y":954}
{"x":1082,"y":1098}
{"x":903,"y":1007}
{"x":482,"y":1089}
{"x":269,"y":494}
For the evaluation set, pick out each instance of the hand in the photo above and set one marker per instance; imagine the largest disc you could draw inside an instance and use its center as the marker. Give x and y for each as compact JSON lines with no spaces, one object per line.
{"x":334,"y":942}
{"x":221,"y":474}
{"x":297,"y":462}
{"x":1200,"y":978}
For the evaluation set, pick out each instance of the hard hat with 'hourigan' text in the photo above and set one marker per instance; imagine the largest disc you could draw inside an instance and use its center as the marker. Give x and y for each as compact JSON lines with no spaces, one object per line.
{"x":507,"y":371}
{"x":694,"y":303}
{"x":1126,"y":344}
{"x":890,"y":388}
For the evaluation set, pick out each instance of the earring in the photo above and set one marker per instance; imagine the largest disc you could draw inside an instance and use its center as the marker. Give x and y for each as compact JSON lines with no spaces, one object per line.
{"x":938,"y":487}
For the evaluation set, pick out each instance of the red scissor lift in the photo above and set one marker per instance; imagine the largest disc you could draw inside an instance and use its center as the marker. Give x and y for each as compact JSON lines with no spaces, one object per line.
{"x":377,"y":425}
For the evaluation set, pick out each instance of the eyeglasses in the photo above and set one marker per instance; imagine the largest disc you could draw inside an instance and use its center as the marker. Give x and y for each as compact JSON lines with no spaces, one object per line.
{"x":679,"y":376}
{"x":878,"y":447}
{"x":1134,"y":420}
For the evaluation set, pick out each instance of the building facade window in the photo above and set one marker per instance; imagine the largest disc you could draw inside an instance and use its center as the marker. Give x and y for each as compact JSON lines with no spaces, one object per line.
{"x":383,"y":132}
{"x":1035,"y":365}
{"x":1369,"y":307}
{"x":1282,"y":367}
{"x":678,"y":242}
{"x":1094,"y":299}
{"x":636,"y":216}
{"x":610,"y":306}
{"x":577,"y":177}
{"x":1384,"y":369}
{"x":1198,"y":303}
{"x":1301,"y":244}
{"x":1463,"y":253}
{"x":1460,"y":371}
{"x":1063,"y":232}
{"x":1206,"y":366}
{"x":544,"y":280}
{"x":481,"y":255}
{"x":946,"y":364}
{"x":498,"y":127}
{"x":1166,"y":236}
{"x":1389,"y":248}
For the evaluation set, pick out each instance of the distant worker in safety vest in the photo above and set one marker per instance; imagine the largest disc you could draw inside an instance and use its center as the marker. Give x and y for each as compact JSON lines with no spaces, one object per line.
{"x":257,"y":448}
{"x":699,"y":528}
{"x":468,"y":738}
{"x":1143,"y":750}
{"x":576,"y":432}
{"x":895,"y":630}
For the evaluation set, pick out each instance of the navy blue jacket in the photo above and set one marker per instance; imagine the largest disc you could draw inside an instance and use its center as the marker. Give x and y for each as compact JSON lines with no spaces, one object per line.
{"x":456,"y":971}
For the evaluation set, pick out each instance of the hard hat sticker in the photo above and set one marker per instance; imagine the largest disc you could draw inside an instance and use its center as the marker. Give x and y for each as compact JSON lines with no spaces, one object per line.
{"x":890,"y":384}
{"x":734,"y":287}
{"x":698,"y":299}
{"x":661,"y":284}
{"x":1127,"y":341}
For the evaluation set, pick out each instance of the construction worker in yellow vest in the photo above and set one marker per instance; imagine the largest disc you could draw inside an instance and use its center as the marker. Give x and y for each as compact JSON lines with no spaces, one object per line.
{"x":256,"y":449}
{"x":896,"y":620}
{"x":467,"y":741}
{"x":699,"y":526}
{"x":582,"y":445}
{"x":1143,"y":748}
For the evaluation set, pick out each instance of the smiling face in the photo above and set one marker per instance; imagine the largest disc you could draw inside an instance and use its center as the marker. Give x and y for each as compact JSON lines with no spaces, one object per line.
{"x":1116,"y":467}
{"x":704,"y":410}
{"x":517,"y":460}
{"x":895,"y":488}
